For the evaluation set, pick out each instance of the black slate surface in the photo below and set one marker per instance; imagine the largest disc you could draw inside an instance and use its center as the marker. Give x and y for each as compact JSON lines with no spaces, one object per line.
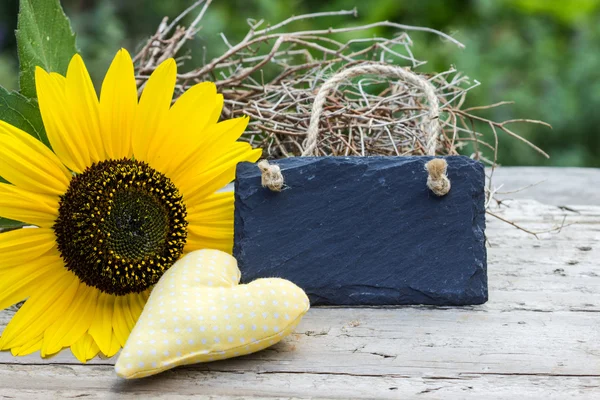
{"x":365,"y":230}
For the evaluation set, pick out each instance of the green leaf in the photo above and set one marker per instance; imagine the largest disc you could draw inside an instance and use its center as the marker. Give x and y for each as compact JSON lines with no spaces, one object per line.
{"x":44,"y":39}
{"x":23,"y":113}
{"x":10,"y":224}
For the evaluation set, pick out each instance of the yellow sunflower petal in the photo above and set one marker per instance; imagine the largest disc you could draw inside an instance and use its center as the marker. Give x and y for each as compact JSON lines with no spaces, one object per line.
{"x":211,"y":223}
{"x":120,"y":325}
{"x":85,"y":348}
{"x":101,"y":328}
{"x":27,"y":163}
{"x":215,"y":211}
{"x":214,"y":207}
{"x":43,"y":308}
{"x":118,"y":102}
{"x":22,"y":245}
{"x":217,"y":110}
{"x":84,"y":107}
{"x":217,"y":141}
{"x":136,"y":305}
{"x":222,"y":136}
{"x":78,"y":348}
{"x":186,"y":122}
{"x":30,"y":347}
{"x":126,"y":313}
{"x":126,"y":310}
{"x":92,"y":350}
{"x":197,"y":186}
{"x":25,"y":280}
{"x":221,"y":231}
{"x":63,"y":132}
{"x":199,"y":242}
{"x":201,"y":236}
{"x":74,"y":323}
{"x":115,"y":346}
{"x":153,"y":107}
{"x":32,"y":208}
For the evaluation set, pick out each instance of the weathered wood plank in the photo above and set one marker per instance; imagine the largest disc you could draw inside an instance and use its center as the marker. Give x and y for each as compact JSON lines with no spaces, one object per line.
{"x":556,"y":186}
{"x":425,"y":341}
{"x":538,"y":336}
{"x":98,"y":383}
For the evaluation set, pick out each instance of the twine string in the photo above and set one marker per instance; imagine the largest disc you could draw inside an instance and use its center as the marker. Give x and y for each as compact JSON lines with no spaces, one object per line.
{"x":431,"y":127}
{"x":437,"y":180}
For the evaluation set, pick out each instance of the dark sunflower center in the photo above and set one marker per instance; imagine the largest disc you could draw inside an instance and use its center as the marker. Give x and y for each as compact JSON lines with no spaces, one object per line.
{"x":120,"y":226}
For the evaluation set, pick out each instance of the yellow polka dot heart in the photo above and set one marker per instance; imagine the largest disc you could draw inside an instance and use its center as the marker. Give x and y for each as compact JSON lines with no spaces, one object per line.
{"x":198,"y":312}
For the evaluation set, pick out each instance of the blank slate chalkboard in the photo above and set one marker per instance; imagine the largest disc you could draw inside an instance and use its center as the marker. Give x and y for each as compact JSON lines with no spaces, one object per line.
{"x":365,"y":230}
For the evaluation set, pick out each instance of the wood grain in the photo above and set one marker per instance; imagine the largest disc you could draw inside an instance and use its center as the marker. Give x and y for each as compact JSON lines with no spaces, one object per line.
{"x":551,"y":185}
{"x":537,"y":337}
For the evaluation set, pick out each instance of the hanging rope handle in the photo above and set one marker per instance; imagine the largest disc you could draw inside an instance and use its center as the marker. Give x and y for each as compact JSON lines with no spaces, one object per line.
{"x":431,"y":126}
{"x":437,"y":180}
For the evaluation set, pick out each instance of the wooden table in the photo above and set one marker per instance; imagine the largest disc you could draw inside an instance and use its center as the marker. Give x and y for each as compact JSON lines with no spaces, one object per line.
{"x":538,"y":336}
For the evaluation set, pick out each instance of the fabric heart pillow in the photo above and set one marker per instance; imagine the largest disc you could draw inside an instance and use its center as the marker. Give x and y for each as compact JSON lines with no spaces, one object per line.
{"x":198,"y":312}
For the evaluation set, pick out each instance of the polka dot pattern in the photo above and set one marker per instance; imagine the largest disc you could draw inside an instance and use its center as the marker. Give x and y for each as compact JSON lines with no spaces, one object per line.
{"x":198,"y":312}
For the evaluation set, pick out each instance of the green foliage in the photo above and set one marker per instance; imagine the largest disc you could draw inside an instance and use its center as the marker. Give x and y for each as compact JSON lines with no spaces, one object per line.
{"x":544,"y":57}
{"x":44,"y":39}
{"x":565,"y":11}
{"x":8,"y":224}
{"x":23,"y":113}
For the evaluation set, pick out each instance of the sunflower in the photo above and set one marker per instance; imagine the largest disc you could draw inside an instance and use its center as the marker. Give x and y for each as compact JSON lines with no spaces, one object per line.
{"x":128,"y":188}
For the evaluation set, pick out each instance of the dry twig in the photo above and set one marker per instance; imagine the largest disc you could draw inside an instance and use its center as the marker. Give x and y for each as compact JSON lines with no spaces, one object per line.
{"x":274,"y":72}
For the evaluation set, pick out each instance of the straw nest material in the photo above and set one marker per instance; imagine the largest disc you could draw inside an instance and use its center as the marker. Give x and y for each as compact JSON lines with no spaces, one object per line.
{"x":274,"y":73}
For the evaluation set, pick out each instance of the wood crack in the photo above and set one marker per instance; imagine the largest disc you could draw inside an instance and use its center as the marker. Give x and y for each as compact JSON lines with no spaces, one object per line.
{"x":543,"y":374}
{"x":356,"y":375}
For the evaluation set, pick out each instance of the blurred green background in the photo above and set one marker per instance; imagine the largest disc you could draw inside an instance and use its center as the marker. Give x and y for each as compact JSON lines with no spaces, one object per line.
{"x":543,"y":54}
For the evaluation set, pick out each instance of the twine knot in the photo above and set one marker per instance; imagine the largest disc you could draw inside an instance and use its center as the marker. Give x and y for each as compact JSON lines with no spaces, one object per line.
{"x":271,"y":176}
{"x":437,"y":181}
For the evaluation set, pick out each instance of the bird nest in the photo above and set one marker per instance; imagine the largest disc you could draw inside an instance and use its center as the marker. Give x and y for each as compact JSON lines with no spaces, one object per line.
{"x":274,"y":73}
